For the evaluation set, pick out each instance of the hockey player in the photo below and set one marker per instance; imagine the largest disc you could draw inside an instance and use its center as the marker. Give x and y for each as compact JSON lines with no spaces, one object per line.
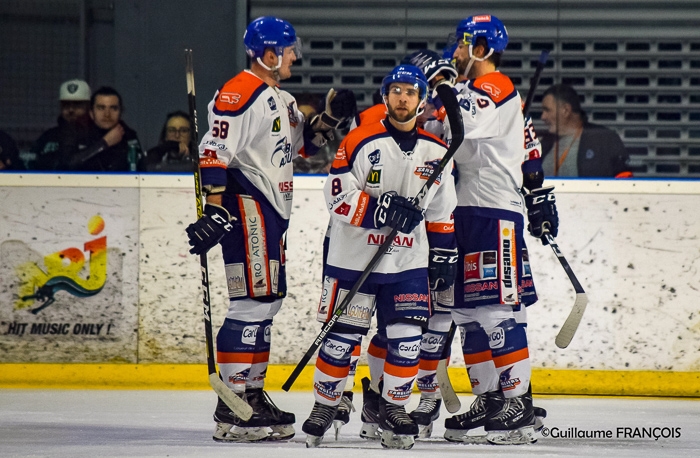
{"x":495,"y":284}
{"x":246,"y":169}
{"x":376,"y":167}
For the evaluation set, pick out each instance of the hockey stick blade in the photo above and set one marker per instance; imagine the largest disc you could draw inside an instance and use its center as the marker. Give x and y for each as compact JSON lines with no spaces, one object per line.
{"x":455,"y":117}
{"x":452,"y":403}
{"x":567,"y":331}
{"x":237,"y":405}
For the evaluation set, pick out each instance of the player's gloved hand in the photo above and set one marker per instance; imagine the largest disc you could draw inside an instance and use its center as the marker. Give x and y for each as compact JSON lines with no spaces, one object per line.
{"x":433,"y":66}
{"x":339,"y":107}
{"x":442,"y":268}
{"x":542,"y":213}
{"x":397,"y":212}
{"x":208,"y":230}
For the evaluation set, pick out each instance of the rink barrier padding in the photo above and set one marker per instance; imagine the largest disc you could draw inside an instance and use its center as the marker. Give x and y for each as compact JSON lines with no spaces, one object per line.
{"x":195,"y":377}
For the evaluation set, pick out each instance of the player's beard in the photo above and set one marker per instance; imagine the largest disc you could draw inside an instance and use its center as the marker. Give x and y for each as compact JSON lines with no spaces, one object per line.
{"x":401,"y":118}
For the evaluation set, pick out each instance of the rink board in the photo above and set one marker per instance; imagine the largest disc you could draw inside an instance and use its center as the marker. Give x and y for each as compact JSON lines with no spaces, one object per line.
{"x":632,"y":243}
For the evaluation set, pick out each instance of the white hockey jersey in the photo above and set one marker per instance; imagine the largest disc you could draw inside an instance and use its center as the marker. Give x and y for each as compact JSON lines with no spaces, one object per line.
{"x":254,"y":131}
{"x":369,"y":163}
{"x":490,"y":157}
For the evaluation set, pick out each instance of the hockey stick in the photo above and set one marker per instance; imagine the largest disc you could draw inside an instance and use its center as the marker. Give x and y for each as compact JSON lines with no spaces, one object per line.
{"x":236,"y":404}
{"x":454,"y":115}
{"x":447,"y":391}
{"x":567,"y":331}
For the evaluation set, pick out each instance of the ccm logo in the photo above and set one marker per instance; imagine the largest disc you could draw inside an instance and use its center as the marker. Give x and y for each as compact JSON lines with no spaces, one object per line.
{"x":286,"y":186}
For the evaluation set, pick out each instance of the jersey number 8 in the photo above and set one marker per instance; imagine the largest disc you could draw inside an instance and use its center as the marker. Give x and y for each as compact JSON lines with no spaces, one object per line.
{"x":220,"y":129}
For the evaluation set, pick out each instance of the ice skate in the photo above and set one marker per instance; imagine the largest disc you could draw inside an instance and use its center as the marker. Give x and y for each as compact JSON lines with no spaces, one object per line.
{"x":370,"y":412}
{"x":281,"y":423}
{"x":230,"y":428}
{"x":398,"y":429}
{"x":342,"y":415}
{"x":425,"y":414}
{"x":485,"y":407}
{"x":319,"y":421}
{"x":515,"y":425}
{"x":540,"y":415}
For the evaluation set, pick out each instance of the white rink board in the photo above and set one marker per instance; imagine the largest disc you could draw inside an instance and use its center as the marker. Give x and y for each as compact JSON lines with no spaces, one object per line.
{"x":633,"y":244}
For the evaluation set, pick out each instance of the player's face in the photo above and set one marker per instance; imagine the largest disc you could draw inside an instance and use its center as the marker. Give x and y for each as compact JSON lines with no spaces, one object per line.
{"x":71,"y":111}
{"x":288,"y":58}
{"x":106,"y":111}
{"x":178,"y":130}
{"x":551,"y":113}
{"x":461,"y":57}
{"x":402,"y":101}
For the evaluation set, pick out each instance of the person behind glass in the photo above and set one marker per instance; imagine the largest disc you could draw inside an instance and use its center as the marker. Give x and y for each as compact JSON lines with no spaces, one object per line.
{"x":574,"y":147}
{"x":9,"y":154}
{"x":113,"y":146}
{"x":55,"y":145}
{"x":172,"y":154}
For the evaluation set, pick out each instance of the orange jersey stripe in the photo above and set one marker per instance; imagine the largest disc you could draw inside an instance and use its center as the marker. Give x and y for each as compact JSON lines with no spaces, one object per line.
{"x":377,"y":352}
{"x":362,"y":204}
{"x":238,"y":91}
{"x":352,"y":140}
{"x":477,"y":358}
{"x":205,"y":162}
{"x":373,"y":114}
{"x":333,"y":371}
{"x":511,"y":358}
{"x":401,"y":371}
{"x":433,"y":136}
{"x":496,"y":84}
{"x":428,"y":364}
{"x":225,"y":357}
{"x":443,"y":228}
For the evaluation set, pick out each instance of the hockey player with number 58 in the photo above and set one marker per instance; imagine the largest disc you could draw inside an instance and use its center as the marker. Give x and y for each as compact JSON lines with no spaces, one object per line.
{"x":377,"y":170}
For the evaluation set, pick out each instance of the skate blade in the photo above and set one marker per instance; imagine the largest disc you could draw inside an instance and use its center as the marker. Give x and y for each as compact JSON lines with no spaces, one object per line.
{"x":396,"y":441}
{"x":230,"y":433}
{"x":337,"y":424}
{"x":521,"y":436}
{"x":462,"y":436}
{"x":281,"y":433}
{"x":370,"y":431}
{"x":313,"y":441}
{"x":425,"y":431}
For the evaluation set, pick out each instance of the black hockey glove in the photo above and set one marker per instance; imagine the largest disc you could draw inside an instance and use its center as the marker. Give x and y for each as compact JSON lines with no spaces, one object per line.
{"x":339,"y":106}
{"x":397,"y":212}
{"x":442,"y":268}
{"x":542,"y":213}
{"x":432,"y":65}
{"x":208,"y":230}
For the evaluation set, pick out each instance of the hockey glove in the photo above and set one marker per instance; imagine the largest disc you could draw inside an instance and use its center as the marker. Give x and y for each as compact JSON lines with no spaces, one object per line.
{"x":339,"y":106}
{"x":433,"y":65}
{"x":542,"y":213}
{"x":397,"y":212}
{"x":208,"y":230}
{"x":442,"y":268}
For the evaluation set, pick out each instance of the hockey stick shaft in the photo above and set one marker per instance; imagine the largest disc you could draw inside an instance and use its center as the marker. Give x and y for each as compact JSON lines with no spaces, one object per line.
{"x":236,"y":404}
{"x":452,"y":109}
{"x":535,"y":81}
{"x":568,"y":329}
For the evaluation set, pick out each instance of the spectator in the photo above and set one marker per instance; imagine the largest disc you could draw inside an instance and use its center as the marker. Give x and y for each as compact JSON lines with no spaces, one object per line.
{"x":574,"y":147}
{"x":71,"y":135}
{"x":172,"y":154}
{"x":113,"y":146}
{"x":9,"y":154}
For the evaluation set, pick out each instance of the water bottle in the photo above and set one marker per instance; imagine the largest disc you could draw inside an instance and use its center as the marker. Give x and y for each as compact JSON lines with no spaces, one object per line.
{"x":132,"y":157}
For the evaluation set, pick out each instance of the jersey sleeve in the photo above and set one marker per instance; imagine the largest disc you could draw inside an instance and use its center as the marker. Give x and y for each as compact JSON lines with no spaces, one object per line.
{"x":344,"y":188}
{"x":438,"y":215}
{"x":533,"y":175}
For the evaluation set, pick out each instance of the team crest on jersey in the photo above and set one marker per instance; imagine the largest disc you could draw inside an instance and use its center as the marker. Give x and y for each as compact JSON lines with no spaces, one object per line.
{"x":293,"y":119}
{"x":467,"y":103}
{"x":282,"y":154}
{"x":230,"y":97}
{"x":276,"y":125}
{"x":424,"y":171}
{"x":374,"y":177}
{"x":271,"y":103}
{"x":374,"y":157}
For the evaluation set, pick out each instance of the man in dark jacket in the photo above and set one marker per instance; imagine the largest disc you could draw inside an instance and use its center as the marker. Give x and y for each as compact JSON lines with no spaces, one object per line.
{"x":574,"y":147}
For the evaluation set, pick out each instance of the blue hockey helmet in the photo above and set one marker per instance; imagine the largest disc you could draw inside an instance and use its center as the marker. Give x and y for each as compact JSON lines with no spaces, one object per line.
{"x":483,"y":25}
{"x":409,"y":74}
{"x":270,"y":32}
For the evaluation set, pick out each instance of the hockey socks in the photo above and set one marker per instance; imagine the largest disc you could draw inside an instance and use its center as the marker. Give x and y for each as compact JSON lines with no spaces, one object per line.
{"x":478,"y":359}
{"x":511,"y":358}
{"x":236,"y":345}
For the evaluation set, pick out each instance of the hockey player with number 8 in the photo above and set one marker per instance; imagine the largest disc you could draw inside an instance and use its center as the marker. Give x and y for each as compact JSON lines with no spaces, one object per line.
{"x":377,"y":169}
{"x":255,"y":131}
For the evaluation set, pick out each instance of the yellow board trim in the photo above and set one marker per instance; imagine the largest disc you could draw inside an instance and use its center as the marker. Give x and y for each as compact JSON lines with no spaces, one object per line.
{"x":195,"y":377}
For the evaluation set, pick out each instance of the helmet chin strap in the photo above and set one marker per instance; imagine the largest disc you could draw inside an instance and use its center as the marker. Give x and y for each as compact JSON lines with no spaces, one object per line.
{"x":274,"y":69}
{"x":473,"y":58}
